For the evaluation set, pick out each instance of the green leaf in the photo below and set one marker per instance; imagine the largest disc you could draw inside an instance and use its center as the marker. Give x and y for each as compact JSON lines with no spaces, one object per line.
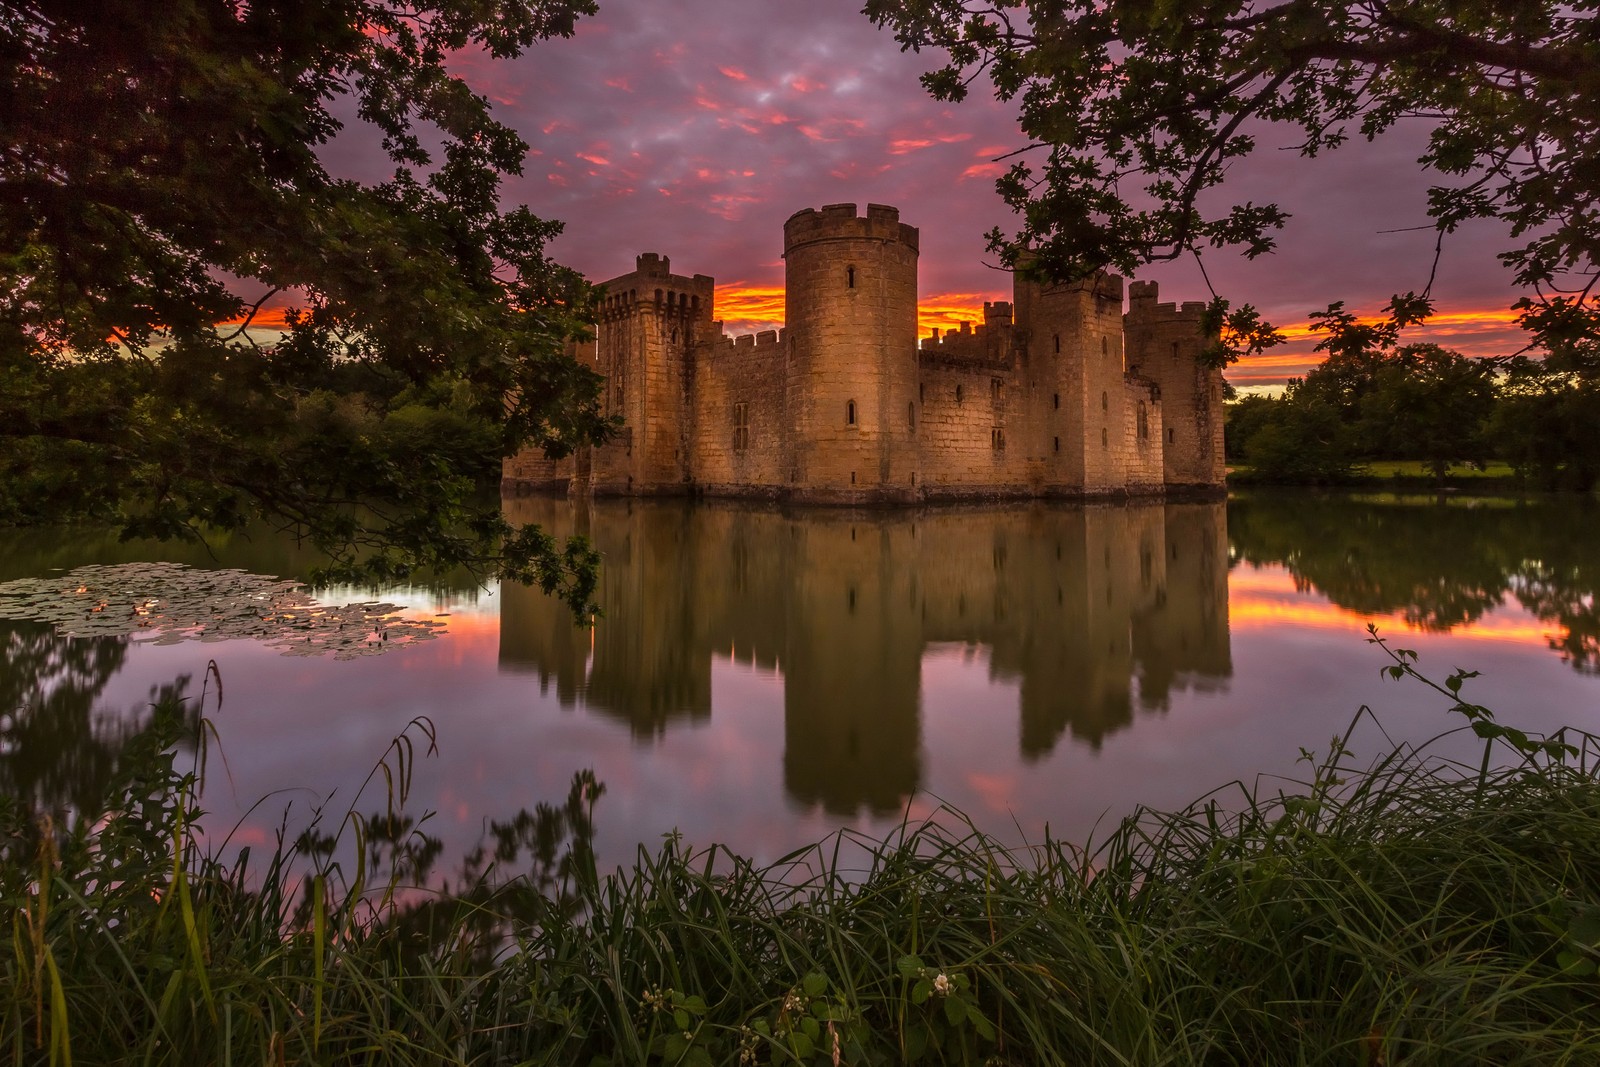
{"x":814,"y":984}
{"x":909,"y":966}
{"x":921,"y":991}
{"x":916,"y":1041}
{"x":955,"y":1010}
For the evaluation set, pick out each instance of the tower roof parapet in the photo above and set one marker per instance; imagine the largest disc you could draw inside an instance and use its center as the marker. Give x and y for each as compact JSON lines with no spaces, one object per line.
{"x":839,"y":221}
{"x":1143,"y":304}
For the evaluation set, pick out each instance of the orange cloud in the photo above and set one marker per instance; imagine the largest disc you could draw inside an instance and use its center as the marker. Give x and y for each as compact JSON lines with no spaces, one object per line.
{"x":984,"y":170}
{"x":1469,"y":320}
{"x":733,"y":72}
{"x":741,"y":305}
{"x":947,"y":311}
{"x":268,"y":318}
{"x":903,"y":145}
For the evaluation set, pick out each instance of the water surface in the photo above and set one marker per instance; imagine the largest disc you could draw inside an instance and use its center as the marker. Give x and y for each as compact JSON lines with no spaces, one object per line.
{"x":760,"y":678}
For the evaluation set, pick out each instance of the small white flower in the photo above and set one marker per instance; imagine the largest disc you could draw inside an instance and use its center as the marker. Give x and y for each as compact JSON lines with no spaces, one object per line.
{"x":941,"y":984}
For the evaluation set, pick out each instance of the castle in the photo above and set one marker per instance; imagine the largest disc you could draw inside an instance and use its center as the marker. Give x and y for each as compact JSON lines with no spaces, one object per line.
{"x":1059,"y":393}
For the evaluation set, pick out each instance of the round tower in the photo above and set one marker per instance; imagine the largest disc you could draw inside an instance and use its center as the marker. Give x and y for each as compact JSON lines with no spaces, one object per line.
{"x":850,"y":285}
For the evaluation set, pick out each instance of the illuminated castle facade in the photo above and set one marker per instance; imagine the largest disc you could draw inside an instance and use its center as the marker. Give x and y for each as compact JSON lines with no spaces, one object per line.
{"x":1061,"y":393}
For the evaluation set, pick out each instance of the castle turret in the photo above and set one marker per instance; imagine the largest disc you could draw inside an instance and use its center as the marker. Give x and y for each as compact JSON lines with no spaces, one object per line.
{"x":649,"y":321}
{"x":851,"y":293}
{"x":1074,"y":369}
{"x":1165,"y":342}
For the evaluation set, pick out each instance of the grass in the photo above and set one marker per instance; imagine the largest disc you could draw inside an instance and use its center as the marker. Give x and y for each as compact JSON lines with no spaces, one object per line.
{"x":1409,"y":910}
{"x":1413,"y":468}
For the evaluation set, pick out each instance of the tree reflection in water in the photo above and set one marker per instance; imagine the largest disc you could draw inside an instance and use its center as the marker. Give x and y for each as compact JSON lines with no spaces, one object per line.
{"x":59,"y":746}
{"x":1439,"y":563}
{"x":1090,"y":611}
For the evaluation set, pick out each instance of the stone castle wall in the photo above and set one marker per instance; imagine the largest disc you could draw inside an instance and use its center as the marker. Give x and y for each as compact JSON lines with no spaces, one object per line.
{"x":740,"y":436}
{"x":1057,"y":393}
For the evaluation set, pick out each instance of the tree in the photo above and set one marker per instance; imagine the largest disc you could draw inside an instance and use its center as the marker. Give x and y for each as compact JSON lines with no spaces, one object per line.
{"x":1432,"y":404}
{"x":1372,"y":398}
{"x":1303,"y":439}
{"x":160,"y":174}
{"x":1135,"y":109}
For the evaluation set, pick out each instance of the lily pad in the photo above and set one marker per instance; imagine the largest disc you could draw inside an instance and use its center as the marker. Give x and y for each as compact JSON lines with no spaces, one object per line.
{"x":165,"y":603}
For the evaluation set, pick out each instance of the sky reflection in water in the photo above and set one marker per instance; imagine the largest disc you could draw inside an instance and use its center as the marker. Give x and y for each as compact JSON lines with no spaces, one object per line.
{"x":761,"y":679}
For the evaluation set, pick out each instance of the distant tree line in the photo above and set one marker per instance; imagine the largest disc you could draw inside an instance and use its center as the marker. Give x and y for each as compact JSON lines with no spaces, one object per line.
{"x":1373,"y":398}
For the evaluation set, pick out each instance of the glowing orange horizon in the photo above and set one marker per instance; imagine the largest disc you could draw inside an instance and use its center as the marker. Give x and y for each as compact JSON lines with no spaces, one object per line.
{"x":743,"y":307}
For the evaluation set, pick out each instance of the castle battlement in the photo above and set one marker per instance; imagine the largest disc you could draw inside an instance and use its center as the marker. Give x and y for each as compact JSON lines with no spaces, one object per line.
{"x":988,"y":344}
{"x":772,"y":339}
{"x":1057,"y":392}
{"x":652,"y":287}
{"x":1142,"y":303}
{"x":839,"y":221}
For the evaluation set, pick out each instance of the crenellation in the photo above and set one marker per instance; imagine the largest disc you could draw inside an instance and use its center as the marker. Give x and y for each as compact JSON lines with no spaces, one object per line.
{"x":1057,"y":392}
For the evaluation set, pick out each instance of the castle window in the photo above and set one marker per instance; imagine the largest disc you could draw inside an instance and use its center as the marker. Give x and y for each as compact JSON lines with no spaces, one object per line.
{"x":1056,"y":397}
{"x":1105,"y":402}
{"x":850,"y":413}
{"x":997,"y":438}
{"x":658,"y":296}
{"x":958,"y":394}
{"x":1058,"y":344}
{"x":911,"y":416}
{"x":741,"y":427}
{"x":674,"y":336}
{"x":1105,"y":438}
{"x":1104,"y":347}
{"x":1143,"y":423}
{"x":922,"y":391}
{"x":850,"y":277}
{"x":1174,"y":350}
{"x":1056,"y":444}
{"x":994,"y":389}
{"x":1171,"y":433}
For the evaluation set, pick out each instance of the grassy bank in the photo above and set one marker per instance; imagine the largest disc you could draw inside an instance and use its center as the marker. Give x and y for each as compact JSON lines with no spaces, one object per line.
{"x":1409,"y":475}
{"x":1407,"y":910}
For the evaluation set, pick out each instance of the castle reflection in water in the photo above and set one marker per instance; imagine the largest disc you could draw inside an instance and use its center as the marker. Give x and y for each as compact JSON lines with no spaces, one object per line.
{"x":1088,"y":609}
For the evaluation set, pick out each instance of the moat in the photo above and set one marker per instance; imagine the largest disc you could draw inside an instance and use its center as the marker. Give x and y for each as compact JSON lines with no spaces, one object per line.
{"x":760,"y":678}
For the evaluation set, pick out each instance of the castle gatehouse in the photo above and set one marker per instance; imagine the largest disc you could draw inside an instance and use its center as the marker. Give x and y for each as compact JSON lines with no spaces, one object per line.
{"x":1063,"y":392}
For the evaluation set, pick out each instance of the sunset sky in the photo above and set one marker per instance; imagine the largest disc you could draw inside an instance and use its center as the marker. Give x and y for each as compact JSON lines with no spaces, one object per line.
{"x":693,"y":129}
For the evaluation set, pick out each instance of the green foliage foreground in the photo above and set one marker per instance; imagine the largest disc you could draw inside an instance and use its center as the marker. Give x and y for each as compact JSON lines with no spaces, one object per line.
{"x":1413,"y":910}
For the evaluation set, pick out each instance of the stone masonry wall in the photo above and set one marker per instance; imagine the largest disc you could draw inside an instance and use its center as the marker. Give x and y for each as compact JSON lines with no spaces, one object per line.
{"x":740,"y":435}
{"x":1164,"y":343}
{"x":962,"y":429}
